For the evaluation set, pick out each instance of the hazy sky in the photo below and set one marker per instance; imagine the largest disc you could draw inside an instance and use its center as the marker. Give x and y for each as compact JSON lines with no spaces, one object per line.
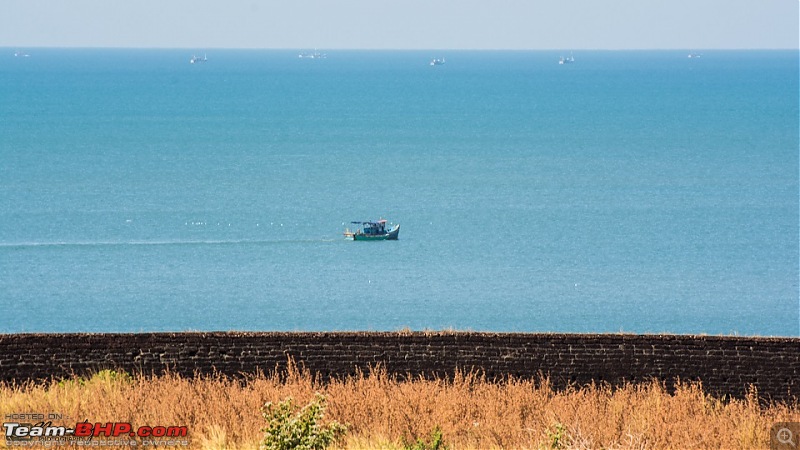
{"x":402,"y":24}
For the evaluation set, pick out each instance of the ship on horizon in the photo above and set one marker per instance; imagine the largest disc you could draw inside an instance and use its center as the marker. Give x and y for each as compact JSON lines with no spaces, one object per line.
{"x":313,"y":55}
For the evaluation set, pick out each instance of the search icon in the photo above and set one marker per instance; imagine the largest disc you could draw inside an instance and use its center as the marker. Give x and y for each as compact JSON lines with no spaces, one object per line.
{"x":785,"y":437}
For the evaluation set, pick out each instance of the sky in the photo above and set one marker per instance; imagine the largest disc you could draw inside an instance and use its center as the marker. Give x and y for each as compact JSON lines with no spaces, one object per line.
{"x":402,"y":24}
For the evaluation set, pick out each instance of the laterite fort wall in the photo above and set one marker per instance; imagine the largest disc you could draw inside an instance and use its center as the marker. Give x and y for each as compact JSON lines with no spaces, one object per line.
{"x":725,"y":365}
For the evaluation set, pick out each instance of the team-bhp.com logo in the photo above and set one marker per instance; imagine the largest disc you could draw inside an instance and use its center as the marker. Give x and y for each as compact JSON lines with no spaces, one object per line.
{"x":20,"y":434}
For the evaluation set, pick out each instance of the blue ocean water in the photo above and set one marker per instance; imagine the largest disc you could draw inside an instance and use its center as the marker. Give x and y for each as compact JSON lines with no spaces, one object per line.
{"x":628,"y":191}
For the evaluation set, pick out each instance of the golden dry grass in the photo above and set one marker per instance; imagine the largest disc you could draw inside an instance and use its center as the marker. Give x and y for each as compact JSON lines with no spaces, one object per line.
{"x":381,"y":411}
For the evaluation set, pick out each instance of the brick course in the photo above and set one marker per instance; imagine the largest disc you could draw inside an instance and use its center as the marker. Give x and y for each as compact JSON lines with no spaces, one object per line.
{"x":726,"y":365}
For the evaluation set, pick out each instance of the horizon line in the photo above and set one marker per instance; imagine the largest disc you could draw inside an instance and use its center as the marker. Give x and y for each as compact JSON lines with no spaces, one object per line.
{"x":693,"y":49}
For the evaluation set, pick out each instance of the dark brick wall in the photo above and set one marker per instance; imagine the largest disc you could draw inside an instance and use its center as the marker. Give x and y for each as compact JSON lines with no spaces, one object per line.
{"x":725,"y":365}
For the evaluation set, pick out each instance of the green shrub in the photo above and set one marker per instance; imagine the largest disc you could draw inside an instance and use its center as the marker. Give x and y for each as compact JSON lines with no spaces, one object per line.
{"x":111,"y":376}
{"x":290,"y":429}
{"x":436,"y":442}
{"x":558,"y":437}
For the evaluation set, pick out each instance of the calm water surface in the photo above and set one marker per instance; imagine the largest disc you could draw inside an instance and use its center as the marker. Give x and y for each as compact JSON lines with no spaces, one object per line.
{"x":629,"y":191}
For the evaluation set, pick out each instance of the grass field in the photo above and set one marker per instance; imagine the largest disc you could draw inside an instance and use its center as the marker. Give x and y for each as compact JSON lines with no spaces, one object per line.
{"x":383,"y":412}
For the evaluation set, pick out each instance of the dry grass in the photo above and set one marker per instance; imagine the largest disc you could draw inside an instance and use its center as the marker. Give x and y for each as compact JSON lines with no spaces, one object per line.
{"x":381,"y":411}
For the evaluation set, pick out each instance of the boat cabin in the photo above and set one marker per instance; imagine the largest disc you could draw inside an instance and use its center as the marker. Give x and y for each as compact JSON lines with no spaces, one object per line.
{"x":374,"y":228}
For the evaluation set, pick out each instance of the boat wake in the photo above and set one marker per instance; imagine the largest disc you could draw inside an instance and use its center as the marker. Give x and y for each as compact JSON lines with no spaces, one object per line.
{"x":21,"y":245}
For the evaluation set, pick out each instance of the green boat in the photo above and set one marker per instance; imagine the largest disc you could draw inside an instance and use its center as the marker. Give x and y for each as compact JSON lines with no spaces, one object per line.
{"x":373,"y":231}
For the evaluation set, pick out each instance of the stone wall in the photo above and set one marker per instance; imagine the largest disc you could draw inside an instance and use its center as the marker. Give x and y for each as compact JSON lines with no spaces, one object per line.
{"x":725,"y":365}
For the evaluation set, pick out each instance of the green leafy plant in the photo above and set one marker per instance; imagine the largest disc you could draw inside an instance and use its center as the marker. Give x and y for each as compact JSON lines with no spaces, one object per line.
{"x":436,"y":442}
{"x":111,"y":377}
{"x":558,"y":437}
{"x":290,"y":429}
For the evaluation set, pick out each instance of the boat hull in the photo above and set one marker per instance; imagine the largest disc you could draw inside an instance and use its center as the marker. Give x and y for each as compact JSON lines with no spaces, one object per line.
{"x":390,"y":235}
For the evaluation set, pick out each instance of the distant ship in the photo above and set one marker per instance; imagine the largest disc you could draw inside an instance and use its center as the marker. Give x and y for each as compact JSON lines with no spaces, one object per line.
{"x":568,"y":60}
{"x":20,"y":54}
{"x":197,"y":59}
{"x":694,"y":55}
{"x":314,"y":55}
{"x":437,"y":62}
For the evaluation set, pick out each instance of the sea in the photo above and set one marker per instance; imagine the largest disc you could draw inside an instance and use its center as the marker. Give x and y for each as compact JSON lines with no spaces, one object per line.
{"x":627,"y":191}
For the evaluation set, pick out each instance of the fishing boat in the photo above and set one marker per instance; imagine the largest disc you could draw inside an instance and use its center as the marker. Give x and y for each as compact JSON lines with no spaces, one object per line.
{"x":568,"y":60}
{"x":372,"y":231}
{"x":196,"y":59}
{"x":437,"y":62}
